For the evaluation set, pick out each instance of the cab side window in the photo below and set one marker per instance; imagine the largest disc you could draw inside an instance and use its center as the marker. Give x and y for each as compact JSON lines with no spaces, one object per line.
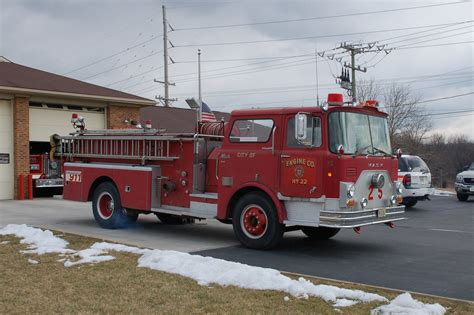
{"x":254,"y":130}
{"x":313,"y":127}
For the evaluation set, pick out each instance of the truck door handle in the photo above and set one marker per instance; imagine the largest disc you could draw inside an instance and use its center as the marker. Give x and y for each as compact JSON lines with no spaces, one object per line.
{"x":285,"y":156}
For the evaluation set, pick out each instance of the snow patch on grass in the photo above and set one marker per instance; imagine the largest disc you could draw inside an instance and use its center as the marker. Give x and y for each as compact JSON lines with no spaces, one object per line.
{"x":39,"y":241}
{"x":406,"y":304}
{"x":439,"y":192}
{"x":96,"y":253}
{"x":32,"y":261}
{"x":207,"y":271}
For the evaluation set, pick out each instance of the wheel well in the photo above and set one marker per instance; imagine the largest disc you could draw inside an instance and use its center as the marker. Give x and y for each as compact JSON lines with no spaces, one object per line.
{"x":239,"y":194}
{"x":96,"y":183}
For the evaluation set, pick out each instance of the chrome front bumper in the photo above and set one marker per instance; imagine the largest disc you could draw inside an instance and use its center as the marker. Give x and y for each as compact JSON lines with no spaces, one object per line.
{"x":352,"y":219}
{"x":49,"y":183}
{"x":462,"y":188}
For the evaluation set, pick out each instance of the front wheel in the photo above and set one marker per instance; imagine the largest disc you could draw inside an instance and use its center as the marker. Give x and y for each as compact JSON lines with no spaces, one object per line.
{"x":409,"y":202}
{"x":107,"y":208}
{"x":255,"y":222}
{"x":462,"y":197}
{"x":320,"y":232}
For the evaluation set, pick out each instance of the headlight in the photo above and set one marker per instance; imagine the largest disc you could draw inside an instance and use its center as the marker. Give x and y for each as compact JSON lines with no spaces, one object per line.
{"x":350,"y":191}
{"x":393,"y":200}
{"x":399,"y":187}
{"x":459,"y":179}
{"x":364,"y":202}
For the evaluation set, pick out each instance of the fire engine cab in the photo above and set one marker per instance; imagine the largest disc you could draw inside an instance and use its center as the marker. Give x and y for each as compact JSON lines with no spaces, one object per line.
{"x":266,"y":171}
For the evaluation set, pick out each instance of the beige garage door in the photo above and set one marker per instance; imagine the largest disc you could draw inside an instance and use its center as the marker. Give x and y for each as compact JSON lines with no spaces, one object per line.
{"x":6,"y":150}
{"x":46,"y":121}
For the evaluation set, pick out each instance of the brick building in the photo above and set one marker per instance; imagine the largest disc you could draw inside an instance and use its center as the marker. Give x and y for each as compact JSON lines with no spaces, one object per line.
{"x":35,"y":104}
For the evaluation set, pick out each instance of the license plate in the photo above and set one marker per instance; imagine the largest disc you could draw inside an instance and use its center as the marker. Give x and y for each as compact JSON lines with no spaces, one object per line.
{"x":472,"y":188}
{"x":382,"y":212}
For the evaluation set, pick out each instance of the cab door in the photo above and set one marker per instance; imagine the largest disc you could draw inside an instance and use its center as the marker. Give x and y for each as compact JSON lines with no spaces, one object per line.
{"x":301,"y":164}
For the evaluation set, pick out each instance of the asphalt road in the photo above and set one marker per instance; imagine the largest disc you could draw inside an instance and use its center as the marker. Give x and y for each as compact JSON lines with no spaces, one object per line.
{"x":431,"y":252}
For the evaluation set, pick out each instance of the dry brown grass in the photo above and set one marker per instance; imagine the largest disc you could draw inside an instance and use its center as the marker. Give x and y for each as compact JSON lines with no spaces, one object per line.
{"x":119,"y":286}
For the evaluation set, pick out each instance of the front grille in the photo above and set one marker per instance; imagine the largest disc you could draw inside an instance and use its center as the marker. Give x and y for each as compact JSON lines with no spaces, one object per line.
{"x":351,"y":172}
{"x":468,"y":180}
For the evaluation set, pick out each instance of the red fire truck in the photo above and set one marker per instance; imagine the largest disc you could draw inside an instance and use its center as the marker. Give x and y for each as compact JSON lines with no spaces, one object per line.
{"x":265,"y":171}
{"x":47,"y":174}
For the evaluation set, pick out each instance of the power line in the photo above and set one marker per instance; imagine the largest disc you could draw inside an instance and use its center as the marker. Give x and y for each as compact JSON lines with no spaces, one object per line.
{"x":135,"y":76}
{"x":444,"y":98}
{"x":436,"y":34}
{"x":124,"y":65}
{"x":154,"y":37}
{"x":248,"y":71}
{"x":442,"y":26}
{"x":317,"y":36}
{"x":318,"y":17}
{"x":299,"y":88}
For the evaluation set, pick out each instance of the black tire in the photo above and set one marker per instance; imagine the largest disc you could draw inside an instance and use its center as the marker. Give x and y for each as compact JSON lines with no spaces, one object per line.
{"x":409,"y":202}
{"x":255,"y":222}
{"x":320,"y":232}
{"x":171,"y":219}
{"x":107,"y":208}
{"x":462,"y":197}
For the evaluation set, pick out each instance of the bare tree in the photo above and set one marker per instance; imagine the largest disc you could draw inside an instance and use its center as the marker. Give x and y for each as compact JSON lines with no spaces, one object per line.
{"x":408,"y":123}
{"x":368,"y":90}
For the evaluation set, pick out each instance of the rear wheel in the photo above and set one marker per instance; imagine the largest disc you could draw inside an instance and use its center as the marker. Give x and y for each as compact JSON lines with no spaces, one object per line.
{"x":107,"y":208}
{"x":462,"y":197}
{"x":320,"y":232}
{"x":255,"y":222}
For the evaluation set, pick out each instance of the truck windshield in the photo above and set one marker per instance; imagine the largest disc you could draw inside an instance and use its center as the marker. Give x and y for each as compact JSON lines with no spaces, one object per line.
{"x":359,"y":134}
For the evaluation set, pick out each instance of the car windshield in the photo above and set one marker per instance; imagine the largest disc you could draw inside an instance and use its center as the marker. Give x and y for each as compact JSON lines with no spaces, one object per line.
{"x":471,"y":168}
{"x":359,"y":133}
{"x":412,"y":164}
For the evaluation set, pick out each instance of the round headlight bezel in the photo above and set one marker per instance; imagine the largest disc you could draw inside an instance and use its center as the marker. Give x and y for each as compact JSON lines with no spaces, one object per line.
{"x":399,"y":187}
{"x":350,"y":191}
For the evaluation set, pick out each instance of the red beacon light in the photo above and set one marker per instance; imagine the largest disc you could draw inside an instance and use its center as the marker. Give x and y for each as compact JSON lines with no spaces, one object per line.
{"x":335,"y":99}
{"x":77,"y":121}
{"x":371,"y":103}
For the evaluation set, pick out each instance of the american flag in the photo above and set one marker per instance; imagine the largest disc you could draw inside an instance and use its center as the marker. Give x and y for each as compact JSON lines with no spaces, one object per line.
{"x":206,"y":114}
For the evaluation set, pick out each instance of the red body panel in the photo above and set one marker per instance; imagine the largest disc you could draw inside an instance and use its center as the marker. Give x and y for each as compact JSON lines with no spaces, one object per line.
{"x":80,"y":179}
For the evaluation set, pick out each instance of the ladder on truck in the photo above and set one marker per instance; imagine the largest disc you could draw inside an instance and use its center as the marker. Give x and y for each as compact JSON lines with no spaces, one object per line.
{"x":119,"y":144}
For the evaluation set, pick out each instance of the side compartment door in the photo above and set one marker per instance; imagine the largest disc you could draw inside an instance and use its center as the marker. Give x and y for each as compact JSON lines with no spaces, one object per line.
{"x":301,"y":165}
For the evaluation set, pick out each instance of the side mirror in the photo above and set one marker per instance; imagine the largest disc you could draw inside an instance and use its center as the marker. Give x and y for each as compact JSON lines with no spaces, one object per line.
{"x":301,"y":121}
{"x":324,"y":106}
{"x":399,"y":153}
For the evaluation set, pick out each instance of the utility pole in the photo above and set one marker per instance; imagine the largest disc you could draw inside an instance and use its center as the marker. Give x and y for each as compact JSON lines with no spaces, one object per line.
{"x":166,"y":99}
{"x":317,"y":75}
{"x":199,"y":82}
{"x":165,"y":55}
{"x":353,"y":49}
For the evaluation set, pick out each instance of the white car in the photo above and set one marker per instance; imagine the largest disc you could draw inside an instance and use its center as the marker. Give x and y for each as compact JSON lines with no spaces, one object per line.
{"x":416,"y":178}
{"x":464,"y":184}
